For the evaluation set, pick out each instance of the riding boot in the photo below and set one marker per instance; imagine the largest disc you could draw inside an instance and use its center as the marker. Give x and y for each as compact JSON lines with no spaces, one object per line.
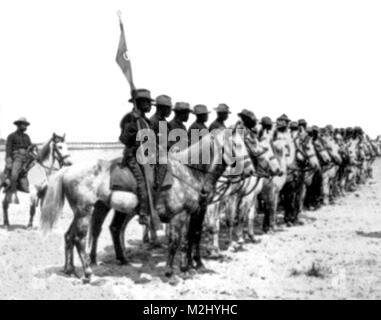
{"x":132,"y":164}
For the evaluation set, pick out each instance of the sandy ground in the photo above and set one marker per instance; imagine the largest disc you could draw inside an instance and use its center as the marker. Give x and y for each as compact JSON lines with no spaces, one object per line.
{"x":335,"y":255}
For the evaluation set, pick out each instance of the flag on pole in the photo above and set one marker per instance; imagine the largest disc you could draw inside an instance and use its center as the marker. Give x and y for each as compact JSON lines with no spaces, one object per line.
{"x":122,"y":58}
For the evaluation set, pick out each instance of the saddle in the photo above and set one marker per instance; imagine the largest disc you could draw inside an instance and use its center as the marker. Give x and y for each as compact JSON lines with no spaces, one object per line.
{"x":122,"y":179}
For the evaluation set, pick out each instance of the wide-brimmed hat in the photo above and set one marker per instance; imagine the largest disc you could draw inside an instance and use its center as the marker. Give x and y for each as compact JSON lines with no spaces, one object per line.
{"x":284,"y":117}
{"x":141,"y":94}
{"x":266,"y":121}
{"x":21,"y":120}
{"x":200,"y":109}
{"x":222,"y":108}
{"x":315,"y":128}
{"x":248,"y":114}
{"x":182,"y":106}
{"x":293,"y":125}
{"x":302,"y":122}
{"x":281,"y":123}
{"x":163,"y":101}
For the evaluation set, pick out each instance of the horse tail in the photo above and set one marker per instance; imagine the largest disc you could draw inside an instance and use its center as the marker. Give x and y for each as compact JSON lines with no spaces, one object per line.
{"x":53,"y":202}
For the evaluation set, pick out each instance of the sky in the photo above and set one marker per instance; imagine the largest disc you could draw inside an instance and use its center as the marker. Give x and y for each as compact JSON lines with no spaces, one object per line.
{"x":318,"y":60}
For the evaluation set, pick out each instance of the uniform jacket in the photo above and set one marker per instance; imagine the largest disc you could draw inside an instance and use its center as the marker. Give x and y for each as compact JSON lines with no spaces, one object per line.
{"x":16,"y":141}
{"x":216,"y":125}
{"x":129,"y":129}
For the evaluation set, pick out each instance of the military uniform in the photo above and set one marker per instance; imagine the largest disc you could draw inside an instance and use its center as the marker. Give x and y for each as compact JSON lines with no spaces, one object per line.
{"x":157,"y":121}
{"x":182,"y":110}
{"x":249,"y":133}
{"x":216,"y":125}
{"x":219,"y":123}
{"x":198,"y":110}
{"x":130,"y":125}
{"x":17,"y":145}
{"x":176,"y":124}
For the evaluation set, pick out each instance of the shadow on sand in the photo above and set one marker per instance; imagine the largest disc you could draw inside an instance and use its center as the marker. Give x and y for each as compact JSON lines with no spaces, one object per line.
{"x":14,"y":227}
{"x":375,"y":234}
{"x":142,"y":259}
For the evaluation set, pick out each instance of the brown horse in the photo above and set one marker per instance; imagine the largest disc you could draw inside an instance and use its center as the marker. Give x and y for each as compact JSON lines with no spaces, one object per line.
{"x":52,"y":156}
{"x":87,"y":189}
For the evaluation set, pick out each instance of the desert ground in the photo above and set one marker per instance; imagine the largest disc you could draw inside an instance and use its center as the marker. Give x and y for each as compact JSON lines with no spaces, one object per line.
{"x":334,"y":255}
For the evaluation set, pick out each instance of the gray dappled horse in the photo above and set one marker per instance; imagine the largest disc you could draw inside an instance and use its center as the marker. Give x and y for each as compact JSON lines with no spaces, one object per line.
{"x":87,"y":189}
{"x":52,"y":156}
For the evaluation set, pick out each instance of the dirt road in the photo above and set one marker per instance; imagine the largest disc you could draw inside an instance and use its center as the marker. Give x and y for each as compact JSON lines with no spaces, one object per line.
{"x":335,"y":255}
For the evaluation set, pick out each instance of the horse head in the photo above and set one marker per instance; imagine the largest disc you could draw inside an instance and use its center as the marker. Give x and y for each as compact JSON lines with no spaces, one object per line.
{"x":307,"y":152}
{"x":333,"y":149}
{"x":321,"y":151}
{"x":60,"y":150}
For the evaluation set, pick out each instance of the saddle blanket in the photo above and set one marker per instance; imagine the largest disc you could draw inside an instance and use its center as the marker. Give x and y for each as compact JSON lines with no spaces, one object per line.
{"x":122,"y":179}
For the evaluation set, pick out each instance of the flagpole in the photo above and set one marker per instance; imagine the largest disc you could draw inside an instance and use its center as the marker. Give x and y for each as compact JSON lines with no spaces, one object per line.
{"x":155,"y":221}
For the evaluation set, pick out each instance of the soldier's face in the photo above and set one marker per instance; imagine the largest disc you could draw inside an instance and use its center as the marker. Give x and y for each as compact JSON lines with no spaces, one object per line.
{"x":144,"y":105}
{"x":222,"y":115}
{"x":167,"y":111}
{"x":203,"y":117}
{"x":22,"y":127}
{"x":183,"y":115}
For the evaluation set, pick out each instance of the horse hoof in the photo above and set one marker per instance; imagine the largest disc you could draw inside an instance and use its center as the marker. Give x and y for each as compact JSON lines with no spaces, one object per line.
{"x":186,"y":275}
{"x":123,"y":262}
{"x":70,"y":272}
{"x":29,"y":227}
{"x":86,"y":280}
{"x":168,"y":272}
{"x":254,"y":240}
{"x":214,"y":255}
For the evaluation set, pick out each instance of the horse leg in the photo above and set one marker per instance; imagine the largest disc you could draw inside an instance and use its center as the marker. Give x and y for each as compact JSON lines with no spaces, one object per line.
{"x":81,"y":227}
{"x":197,"y":238}
{"x":117,"y":228}
{"x":5,"y":211}
{"x":250,"y":220}
{"x":146,"y":237}
{"x":97,"y":220}
{"x":69,"y":254}
{"x":32,"y":210}
{"x":325,"y":189}
{"x":173,"y":242}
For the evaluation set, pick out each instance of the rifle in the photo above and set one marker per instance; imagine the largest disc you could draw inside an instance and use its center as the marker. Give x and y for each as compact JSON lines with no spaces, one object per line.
{"x":124,"y":62}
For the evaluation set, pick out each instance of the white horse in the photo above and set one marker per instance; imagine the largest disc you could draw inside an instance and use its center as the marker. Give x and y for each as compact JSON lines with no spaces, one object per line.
{"x":52,"y":156}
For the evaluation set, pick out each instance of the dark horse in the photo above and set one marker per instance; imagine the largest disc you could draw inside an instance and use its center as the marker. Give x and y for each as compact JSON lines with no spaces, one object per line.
{"x":87,"y":189}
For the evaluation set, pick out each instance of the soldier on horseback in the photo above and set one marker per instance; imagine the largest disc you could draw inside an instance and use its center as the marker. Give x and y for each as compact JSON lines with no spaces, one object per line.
{"x":160,"y":126}
{"x":131,"y":123}
{"x":182,"y":111}
{"x":17,"y":146}
{"x":198,"y":127}
{"x":222,"y":115}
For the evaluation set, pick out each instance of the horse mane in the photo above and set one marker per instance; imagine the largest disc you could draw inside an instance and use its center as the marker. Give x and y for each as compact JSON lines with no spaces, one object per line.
{"x":44,"y":151}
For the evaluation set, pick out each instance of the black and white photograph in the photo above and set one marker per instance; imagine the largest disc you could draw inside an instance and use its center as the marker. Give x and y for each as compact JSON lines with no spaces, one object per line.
{"x":190,"y":150}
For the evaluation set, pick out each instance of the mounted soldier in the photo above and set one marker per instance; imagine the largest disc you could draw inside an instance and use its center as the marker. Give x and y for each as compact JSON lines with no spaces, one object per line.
{"x":248,"y":123}
{"x":131,"y":123}
{"x":202,"y":114}
{"x":222,"y":115}
{"x":302,"y":124}
{"x":17,"y":147}
{"x":160,"y":126}
{"x":182,"y":111}
{"x":294,"y":129}
{"x":266,"y":130}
